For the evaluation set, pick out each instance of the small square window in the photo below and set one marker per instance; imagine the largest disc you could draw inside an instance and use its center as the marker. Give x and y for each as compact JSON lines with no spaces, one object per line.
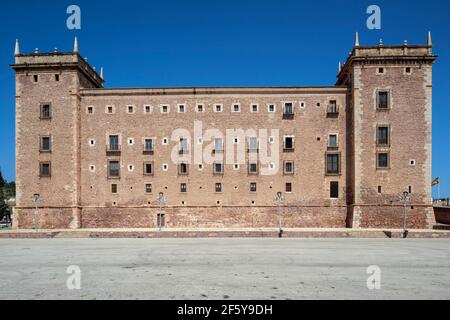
{"x":148,"y":188}
{"x":288,"y":143}
{"x":236,"y":166}
{"x":288,"y":187}
{"x":183,"y":187}
{"x":92,"y":168}
{"x":164,"y":109}
{"x":253,"y":167}
{"x":165,"y":167}
{"x":200,"y":108}
{"x":35,"y":78}
{"x":380,"y":71}
{"x":109,"y":109}
{"x":181,"y":108}
{"x":218,"y":168}
{"x":130,"y":109}
{"x":254,"y":108}
{"x":236,"y":107}
{"x":147,"y":109}
{"x":90,"y":110}
{"x":45,"y":169}
{"x":302,"y":104}
{"x":408,"y":70}
{"x":252,"y":186}
{"x":271,"y":108}
{"x":218,"y":108}
{"x":165,"y":141}
{"x":218,"y":188}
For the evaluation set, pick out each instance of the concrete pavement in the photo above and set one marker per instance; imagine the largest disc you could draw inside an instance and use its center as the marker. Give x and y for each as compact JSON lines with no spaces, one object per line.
{"x":225,"y":268}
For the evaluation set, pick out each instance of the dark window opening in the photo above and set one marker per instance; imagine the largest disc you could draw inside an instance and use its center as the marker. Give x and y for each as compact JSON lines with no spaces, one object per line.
{"x":45,"y":169}
{"x":288,"y":143}
{"x":56,"y":77}
{"x":46,"y":111}
{"x":383,"y":136}
{"x":252,"y":186}
{"x":288,"y":187}
{"x":383,"y":100}
{"x":383,"y":160}
{"x":46,"y":144}
{"x":334,"y":189}
{"x":218,"y":187}
{"x":113,"y":169}
{"x":114,"y":188}
{"x":148,"y":168}
{"x":332,"y":164}
{"x":148,"y":188}
{"x":183,"y":187}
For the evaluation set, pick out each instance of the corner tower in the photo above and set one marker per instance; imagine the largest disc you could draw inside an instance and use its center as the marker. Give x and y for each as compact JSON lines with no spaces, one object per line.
{"x":48,"y":135}
{"x":390,"y":102}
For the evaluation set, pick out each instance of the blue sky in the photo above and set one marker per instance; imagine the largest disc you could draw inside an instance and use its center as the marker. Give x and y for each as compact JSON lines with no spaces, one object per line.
{"x":223,"y":43}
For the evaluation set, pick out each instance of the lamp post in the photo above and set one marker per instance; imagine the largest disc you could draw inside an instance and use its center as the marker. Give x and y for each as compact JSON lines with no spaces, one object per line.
{"x":161,"y":201}
{"x":405,"y":200}
{"x":36,"y":200}
{"x":279,"y":200}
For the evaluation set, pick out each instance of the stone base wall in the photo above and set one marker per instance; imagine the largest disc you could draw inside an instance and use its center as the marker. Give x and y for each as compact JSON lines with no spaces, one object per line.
{"x":392,"y":217}
{"x":188,"y":217}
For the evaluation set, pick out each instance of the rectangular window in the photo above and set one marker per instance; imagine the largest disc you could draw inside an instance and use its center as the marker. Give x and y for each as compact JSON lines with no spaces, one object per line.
{"x":113,"y":169}
{"x":236,"y":108}
{"x":288,"y":187}
{"x":334,"y":189}
{"x":183,"y":187}
{"x":332,"y":164}
{"x":46,"y":111}
{"x":218,"y":108}
{"x":288,"y":143}
{"x":183,"y":168}
{"x":332,"y":141}
{"x":332,"y":107}
{"x":45,"y":169}
{"x":288,"y":167}
{"x":253,"y":144}
{"x":383,"y":136}
{"x":199,"y":108}
{"x":253,"y":167}
{"x":148,"y":188}
{"x":130,"y":109}
{"x":110,"y":109}
{"x":148,"y":168}
{"x":218,"y":145}
{"x":288,"y":108}
{"x":271,"y":108}
{"x":148,"y":109}
{"x":90,"y":110}
{"x":218,"y":187}
{"x":383,"y":100}
{"x":252,"y":186}
{"x":148,"y":145}
{"x":57,"y":77}
{"x":254,"y":108}
{"x":114,"y":188}
{"x":383,"y":160}
{"x":114,"y":143}
{"x":218,"y":168}
{"x":35,"y":78}
{"x":181,"y":108}
{"x":183,"y":145}
{"x":45,"y":145}
{"x":165,"y":109}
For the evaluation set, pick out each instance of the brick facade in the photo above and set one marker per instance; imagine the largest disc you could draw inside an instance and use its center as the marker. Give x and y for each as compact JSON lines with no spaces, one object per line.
{"x":84,"y":115}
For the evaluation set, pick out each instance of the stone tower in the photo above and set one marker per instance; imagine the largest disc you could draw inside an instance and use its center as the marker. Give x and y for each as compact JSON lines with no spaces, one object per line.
{"x":389,"y":141}
{"x":48,"y":134}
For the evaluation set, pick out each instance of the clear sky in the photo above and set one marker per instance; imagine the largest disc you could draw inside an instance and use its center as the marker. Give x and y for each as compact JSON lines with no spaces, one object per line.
{"x":223,"y":43}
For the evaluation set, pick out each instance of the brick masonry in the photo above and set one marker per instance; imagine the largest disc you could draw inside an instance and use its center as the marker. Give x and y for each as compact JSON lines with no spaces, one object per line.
{"x":78,"y":194}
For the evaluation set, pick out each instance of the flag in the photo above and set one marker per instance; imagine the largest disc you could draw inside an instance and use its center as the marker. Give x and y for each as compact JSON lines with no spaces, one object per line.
{"x":436,"y":181}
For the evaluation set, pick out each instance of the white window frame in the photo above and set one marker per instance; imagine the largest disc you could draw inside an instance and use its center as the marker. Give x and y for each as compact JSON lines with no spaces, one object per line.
{"x":215,"y":107}
{"x":199,"y":104}
{"x":302,"y":104}
{"x":274,"y":107}
{"x":251,"y":107}
{"x":133,"y":107}
{"x":235,"y":104}
{"x":337,"y":139}
{"x":145,"y":108}
{"x":164,"y":105}
{"x":112,"y":107}
{"x":181,"y":105}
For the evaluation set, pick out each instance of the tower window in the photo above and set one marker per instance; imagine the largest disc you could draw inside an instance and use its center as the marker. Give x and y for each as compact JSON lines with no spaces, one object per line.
{"x":46,"y":111}
{"x":147,"y":109}
{"x":383,"y":136}
{"x":183,"y":187}
{"x":332,"y":141}
{"x":148,"y":188}
{"x":288,"y":187}
{"x":252,"y":186}
{"x":35,"y":78}
{"x":218,"y":108}
{"x":183,"y":168}
{"x":45,"y":169}
{"x":380,"y":71}
{"x":218,"y":187}
{"x":408,"y":70}
{"x":334,"y":189}
{"x":254,"y":108}
{"x":200,"y":108}
{"x":236,"y":108}
{"x":45,"y":145}
{"x":332,"y":164}
{"x":114,"y":188}
{"x":113,"y":169}
{"x":383,"y":160}
{"x":383,"y":100}
{"x":148,"y":168}
{"x":289,"y":167}
{"x":271,"y":108}
{"x":57,"y":77}
{"x":130,"y":109}
{"x":181,"y":108}
{"x":379,"y":189}
{"x":218,"y":167}
{"x":289,"y":143}
{"x":253,"y":167}
{"x":90,"y":110}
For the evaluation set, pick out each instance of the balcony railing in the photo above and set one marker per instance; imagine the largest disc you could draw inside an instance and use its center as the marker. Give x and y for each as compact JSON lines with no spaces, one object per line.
{"x":332,"y":110}
{"x":113,"y":149}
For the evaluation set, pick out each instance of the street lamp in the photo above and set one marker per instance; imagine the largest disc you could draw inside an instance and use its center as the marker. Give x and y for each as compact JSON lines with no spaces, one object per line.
{"x":405,"y":200}
{"x":279,"y":200}
{"x":161,"y":201}
{"x":36,"y":200}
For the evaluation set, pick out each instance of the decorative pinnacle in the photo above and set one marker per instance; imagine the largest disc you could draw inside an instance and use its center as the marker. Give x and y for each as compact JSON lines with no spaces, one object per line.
{"x":429,"y":42}
{"x":381,"y":42}
{"x":17,"y":49}
{"x":405,"y":42}
{"x":75,"y":45}
{"x":101,"y":73}
{"x":357,"y":39}
{"x":339,"y":67}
